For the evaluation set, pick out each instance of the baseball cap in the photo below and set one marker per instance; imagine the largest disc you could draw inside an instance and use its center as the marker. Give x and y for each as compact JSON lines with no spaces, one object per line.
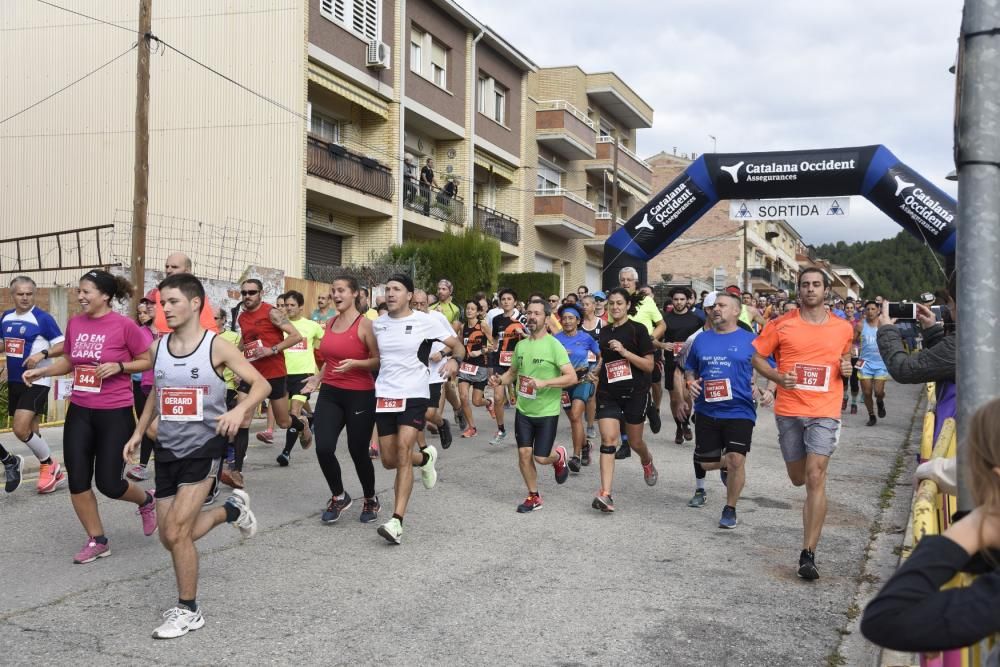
{"x":734,"y":290}
{"x":600,"y":295}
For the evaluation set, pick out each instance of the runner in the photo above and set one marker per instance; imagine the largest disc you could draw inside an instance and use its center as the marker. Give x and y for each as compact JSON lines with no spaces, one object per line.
{"x":31,"y":338}
{"x":681,"y":322}
{"x":404,"y":340}
{"x":189,"y":401}
{"x":810,"y":347}
{"x":626,"y":363}
{"x":300,"y":363}
{"x":584,"y":356}
{"x":852,"y":317}
{"x":437,"y":360}
{"x":540,"y":369}
{"x":473,"y":373}
{"x":591,"y":324}
{"x":267,"y":435}
{"x":871,"y":370}
{"x":142,"y":384}
{"x":266,"y":333}
{"x":232,"y":382}
{"x":323,"y":312}
{"x":101,"y":349}
{"x":600,"y":303}
{"x":508,"y":329}
{"x":719,"y":374}
{"x":346,"y":399}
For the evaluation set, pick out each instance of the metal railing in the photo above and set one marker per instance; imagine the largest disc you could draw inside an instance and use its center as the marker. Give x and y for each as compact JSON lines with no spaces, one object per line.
{"x":609,"y":140}
{"x":433,"y":202}
{"x":548,"y":105}
{"x":496,"y":224}
{"x":562,"y":192}
{"x":763,"y":274}
{"x":334,"y":162}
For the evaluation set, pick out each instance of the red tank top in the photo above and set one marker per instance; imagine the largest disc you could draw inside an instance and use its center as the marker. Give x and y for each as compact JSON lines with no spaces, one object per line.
{"x":257,"y":326}
{"x":336,"y":347}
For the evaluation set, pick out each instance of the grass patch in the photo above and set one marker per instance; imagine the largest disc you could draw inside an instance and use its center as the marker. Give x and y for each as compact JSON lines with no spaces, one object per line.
{"x":835,"y":659}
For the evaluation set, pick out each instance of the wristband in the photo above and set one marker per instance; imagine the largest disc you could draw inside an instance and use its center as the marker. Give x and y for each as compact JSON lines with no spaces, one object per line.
{"x":121,"y":367}
{"x":45,"y":353}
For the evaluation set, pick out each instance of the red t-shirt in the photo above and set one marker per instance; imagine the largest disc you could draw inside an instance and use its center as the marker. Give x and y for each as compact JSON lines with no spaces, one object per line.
{"x":336,"y":347}
{"x":257,"y":330}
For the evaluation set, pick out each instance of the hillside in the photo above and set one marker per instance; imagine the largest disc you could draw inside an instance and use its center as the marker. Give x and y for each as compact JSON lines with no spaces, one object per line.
{"x":897,"y":268}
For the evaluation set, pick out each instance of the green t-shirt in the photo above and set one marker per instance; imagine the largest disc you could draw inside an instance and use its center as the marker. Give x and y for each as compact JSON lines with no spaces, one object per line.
{"x":647,"y":314}
{"x":540,"y":359}
{"x":299,"y":359}
{"x":450,"y":311}
{"x":227,"y":375}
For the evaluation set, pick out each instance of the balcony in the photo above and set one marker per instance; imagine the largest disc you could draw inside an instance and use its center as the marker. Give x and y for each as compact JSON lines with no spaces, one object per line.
{"x":767,"y":280}
{"x":635,"y":171}
{"x":605,"y":224}
{"x":498,"y":225}
{"x":334,"y":163}
{"x":433,"y":202}
{"x":565,"y":130}
{"x":564,"y":214}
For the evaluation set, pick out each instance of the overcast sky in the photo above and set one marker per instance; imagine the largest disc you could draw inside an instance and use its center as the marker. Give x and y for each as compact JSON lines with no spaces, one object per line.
{"x":766,"y":75}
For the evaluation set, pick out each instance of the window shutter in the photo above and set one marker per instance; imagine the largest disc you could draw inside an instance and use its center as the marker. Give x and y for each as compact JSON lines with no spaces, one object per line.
{"x":323,"y":248}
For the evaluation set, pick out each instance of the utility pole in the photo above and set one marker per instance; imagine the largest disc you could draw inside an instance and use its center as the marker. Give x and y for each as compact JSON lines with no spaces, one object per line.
{"x":977,"y":157}
{"x":140,"y":195}
{"x":614,"y":184}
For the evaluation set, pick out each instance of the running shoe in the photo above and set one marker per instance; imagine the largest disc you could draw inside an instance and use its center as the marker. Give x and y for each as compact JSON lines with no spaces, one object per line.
{"x":267,"y":437}
{"x":179,"y":621}
{"x":392,"y":530}
{"x":603,"y":502}
{"x":373,"y":450}
{"x":880,"y":405}
{"x":574,"y":463}
{"x":854,"y":408}
{"x":724,"y":476}
{"x":530,"y":504}
{"x":587,"y":448}
{"x":50,"y":477}
{"x":688,"y":435}
{"x":148,"y":514}
{"x":649,"y":473}
{"x":728,"y":519}
{"x":470,"y":432}
{"x":654,"y":419}
{"x":871,"y":420}
{"x":679,"y":436}
{"x":591,"y":432}
{"x":624,"y":452}
{"x":283,"y":459}
{"x":445,"y":433}
{"x":212,"y":495}
{"x":335,"y":507}
{"x":231,"y":477}
{"x":489,"y":409}
{"x":370,"y":510}
{"x":498,"y":438}
{"x":698,"y":499}
{"x":138,"y":473}
{"x":91,"y":551}
{"x":562,"y":470}
{"x":807,"y":565}
{"x":12,"y":471}
{"x":306,"y":438}
{"x":246,"y":521}
{"x":843,"y":404}
{"x":428,"y":473}
{"x":460,"y":420}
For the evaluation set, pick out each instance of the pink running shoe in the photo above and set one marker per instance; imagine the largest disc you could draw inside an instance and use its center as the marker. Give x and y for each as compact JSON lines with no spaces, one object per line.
{"x":148,"y":514}
{"x":92,"y":551}
{"x":267,"y":437}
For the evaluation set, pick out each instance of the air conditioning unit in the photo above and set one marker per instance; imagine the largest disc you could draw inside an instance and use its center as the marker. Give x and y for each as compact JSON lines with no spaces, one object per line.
{"x":378,"y":54}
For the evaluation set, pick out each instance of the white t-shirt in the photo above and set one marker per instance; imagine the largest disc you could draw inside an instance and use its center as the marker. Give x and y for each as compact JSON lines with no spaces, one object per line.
{"x":401,"y":373}
{"x":491,"y":313}
{"x":435,"y":367}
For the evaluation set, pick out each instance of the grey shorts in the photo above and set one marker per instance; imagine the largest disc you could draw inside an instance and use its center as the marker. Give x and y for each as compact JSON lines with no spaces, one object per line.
{"x":799,"y":436}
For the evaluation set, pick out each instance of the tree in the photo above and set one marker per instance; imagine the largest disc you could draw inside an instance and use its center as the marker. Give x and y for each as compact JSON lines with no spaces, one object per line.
{"x":898,"y":268}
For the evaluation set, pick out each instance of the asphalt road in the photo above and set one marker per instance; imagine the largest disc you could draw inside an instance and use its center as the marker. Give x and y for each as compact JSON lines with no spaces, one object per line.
{"x":473,"y":582}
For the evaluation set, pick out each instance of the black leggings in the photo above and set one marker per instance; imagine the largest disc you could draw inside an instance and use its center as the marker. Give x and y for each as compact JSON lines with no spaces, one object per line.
{"x":139,"y":398}
{"x":93,"y":440}
{"x":335,"y":409}
{"x":855,"y":383}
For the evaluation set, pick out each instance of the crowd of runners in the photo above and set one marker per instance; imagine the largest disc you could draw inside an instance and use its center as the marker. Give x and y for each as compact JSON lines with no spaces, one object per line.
{"x":180,"y":383}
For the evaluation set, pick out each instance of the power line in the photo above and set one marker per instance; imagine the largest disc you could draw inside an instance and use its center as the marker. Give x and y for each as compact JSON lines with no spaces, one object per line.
{"x":69,"y":85}
{"x":86,"y":16}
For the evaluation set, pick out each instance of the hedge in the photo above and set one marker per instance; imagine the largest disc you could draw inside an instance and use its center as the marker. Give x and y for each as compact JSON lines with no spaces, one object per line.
{"x":526,"y":283}
{"x":471,"y":261}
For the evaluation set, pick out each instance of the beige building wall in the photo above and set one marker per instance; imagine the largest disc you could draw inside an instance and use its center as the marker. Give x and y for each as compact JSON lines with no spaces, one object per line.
{"x":219,"y":156}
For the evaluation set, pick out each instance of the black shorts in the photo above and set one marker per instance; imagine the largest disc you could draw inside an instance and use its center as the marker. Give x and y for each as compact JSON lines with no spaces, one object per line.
{"x":539,"y":433}
{"x":296,"y":383}
{"x":22,"y":397}
{"x":669,"y":365}
{"x":657,"y":374}
{"x":715,"y":437}
{"x":388,"y":423}
{"x":435,"y":399}
{"x":170,"y":475}
{"x":279,"y":388}
{"x":630,"y":407}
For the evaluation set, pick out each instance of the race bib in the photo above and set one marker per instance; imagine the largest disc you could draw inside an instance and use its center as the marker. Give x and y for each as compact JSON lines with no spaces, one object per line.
{"x":591,"y":357}
{"x":466,"y":368}
{"x":390,"y":404}
{"x":506,"y":358}
{"x":861,"y":364}
{"x":566,"y":402}
{"x":678,"y":348}
{"x":85,"y":379}
{"x":717,"y":390}
{"x":812,"y":377}
{"x":13,"y":347}
{"x":618,"y":371}
{"x":249,"y":349}
{"x":181,"y":404}
{"x":300,"y":346}
{"x":525,"y":388}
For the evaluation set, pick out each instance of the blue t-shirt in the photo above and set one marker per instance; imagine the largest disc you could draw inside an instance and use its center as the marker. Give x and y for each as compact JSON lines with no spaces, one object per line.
{"x":578,"y":346}
{"x":722,"y":361}
{"x":27,"y":334}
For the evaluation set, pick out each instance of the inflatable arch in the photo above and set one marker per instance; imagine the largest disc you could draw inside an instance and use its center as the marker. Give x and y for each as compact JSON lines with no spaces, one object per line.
{"x":916,"y":204}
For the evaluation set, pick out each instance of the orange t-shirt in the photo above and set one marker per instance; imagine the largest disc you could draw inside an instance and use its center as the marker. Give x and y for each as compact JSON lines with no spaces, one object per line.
{"x":814,"y":352}
{"x":207,"y":316}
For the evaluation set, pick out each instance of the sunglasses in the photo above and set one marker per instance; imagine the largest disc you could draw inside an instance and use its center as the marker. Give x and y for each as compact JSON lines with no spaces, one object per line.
{"x":249,"y":292}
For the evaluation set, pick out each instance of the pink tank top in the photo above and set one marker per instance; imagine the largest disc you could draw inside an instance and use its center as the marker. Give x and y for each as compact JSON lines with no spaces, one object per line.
{"x":336,"y":347}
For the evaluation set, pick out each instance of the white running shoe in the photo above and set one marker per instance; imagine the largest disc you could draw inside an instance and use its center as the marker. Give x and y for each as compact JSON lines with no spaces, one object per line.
{"x":179,"y":621}
{"x":392,"y":530}
{"x":246,"y":521}
{"x":428,"y":474}
{"x":498,"y":438}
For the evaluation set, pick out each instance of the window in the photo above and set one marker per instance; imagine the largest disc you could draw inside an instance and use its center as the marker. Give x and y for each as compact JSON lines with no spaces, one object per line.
{"x":324,"y":127}
{"x":547,"y":178}
{"x":492,"y":99}
{"x":428,"y":57}
{"x":604,"y":129}
{"x":416,"y":49}
{"x":359,"y":16}
{"x":499,"y":103}
{"x":439,"y":65}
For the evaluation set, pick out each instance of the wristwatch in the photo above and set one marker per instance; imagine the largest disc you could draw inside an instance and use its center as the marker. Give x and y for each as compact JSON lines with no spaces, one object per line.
{"x":45,"y":353}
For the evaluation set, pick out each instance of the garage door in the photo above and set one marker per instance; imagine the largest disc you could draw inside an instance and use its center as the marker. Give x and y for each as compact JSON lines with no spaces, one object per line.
{"x":322,"y":248}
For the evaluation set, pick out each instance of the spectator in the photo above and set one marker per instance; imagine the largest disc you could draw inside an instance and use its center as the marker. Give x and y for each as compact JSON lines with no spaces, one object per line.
{"x":409,"y":178}
{"x":934,"y":363}
{"x":449,"y":192}
{"x":427,"y":183}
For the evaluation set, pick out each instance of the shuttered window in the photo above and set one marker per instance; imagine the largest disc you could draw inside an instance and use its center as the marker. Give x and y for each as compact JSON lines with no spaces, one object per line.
{"x":323,"y":248}
{"x":359,"y":16}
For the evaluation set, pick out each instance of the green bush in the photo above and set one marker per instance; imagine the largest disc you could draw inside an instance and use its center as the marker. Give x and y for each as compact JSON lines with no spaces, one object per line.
{"x":526,"y":283}
{"x":471,"y":261}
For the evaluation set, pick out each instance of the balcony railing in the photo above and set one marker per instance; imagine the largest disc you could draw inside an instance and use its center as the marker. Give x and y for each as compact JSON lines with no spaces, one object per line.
{"x":545,"y":105}
{"x":433,"y":202}
{"x":609,"y":140}
{"x":763,"y":274}
{"x":335,"y":163}
{"x":496,"y":224}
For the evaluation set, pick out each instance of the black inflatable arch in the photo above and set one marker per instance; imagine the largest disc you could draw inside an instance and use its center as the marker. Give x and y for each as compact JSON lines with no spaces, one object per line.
{"x":915,"y":203}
